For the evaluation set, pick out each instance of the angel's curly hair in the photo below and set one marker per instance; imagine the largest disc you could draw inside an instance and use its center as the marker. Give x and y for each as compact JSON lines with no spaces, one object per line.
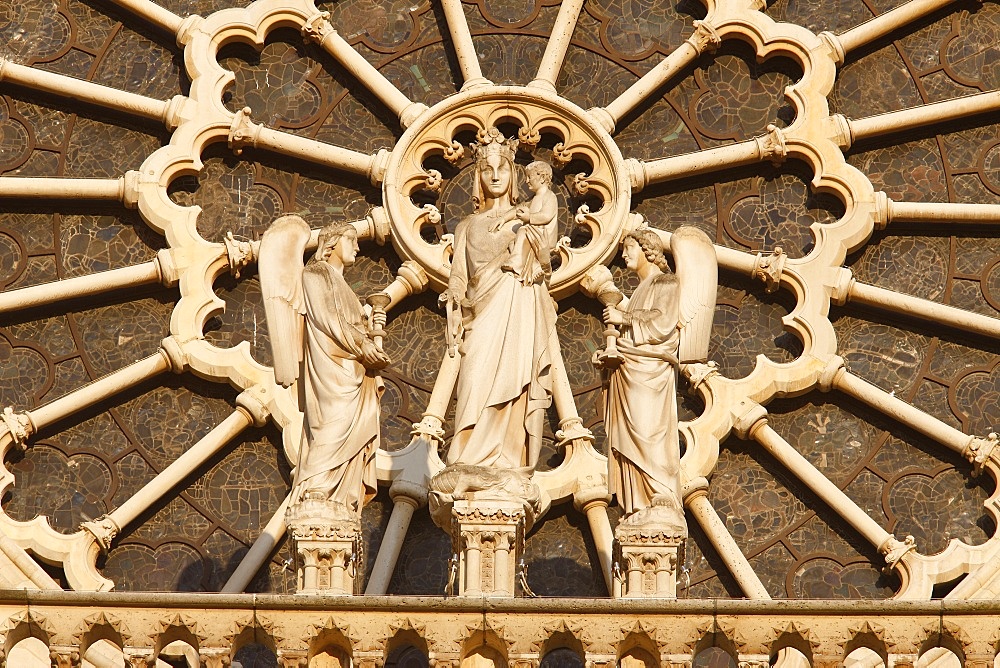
{"x":329,"y":236}
{"x":651,"y":245}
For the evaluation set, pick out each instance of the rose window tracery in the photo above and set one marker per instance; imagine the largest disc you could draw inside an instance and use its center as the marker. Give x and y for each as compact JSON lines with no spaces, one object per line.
{"x":858,"y":298}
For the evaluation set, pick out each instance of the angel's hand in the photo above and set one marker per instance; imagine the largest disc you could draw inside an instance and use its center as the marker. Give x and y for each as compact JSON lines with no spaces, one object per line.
{"x":614,"y":316}
{"x":449,"y":298}
{"x":373,"y":358}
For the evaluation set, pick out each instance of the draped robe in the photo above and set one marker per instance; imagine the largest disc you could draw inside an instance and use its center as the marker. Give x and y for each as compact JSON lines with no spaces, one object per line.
{"x":341,"y":396}
{"x":506,"y":355}
{"x":641,"y":406}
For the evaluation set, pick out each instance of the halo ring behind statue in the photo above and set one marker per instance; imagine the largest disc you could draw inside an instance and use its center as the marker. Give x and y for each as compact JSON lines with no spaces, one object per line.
{"x":536,"y":113}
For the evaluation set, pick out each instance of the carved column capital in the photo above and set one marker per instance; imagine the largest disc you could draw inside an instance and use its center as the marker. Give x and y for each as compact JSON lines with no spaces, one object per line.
{"x":253,"y":401}
{"x":292,"y":659}
{"x":413,"y":275}
{"x":768,"y":267}
{"x":375,"y":225}
{"x":572,"y":429}
{"x":64,"y":657}
{"x":704,"y":38}
{"x":380,"y":163}
{"x":833,"y":43}
{"x":173,"y":351}
{"x":893,"y":549}
{"x":751,"y":416}
{"x":104,"y":529}
{"x":595,"y":495}
{"x":472,"y":540}
{"x":692,"y":489}
{"x":129,"y":189}
{"x":835,"y":368}
{"x":408,"y":492}
{"x":430,"y":427}
{"x":243,"y":132}
{"x":772,"y":146}
{"x":504,"y":540}
{"x":882,"y":214}
{"x":138,"y":658}
{"x":166,"y":268}
{"x":979,"y":451}
{"x":218,"y":659}
{"x":18,"y":425}
{"x":636,"y":173}
{"x":318,"y":27}
{"x":239,"y":252}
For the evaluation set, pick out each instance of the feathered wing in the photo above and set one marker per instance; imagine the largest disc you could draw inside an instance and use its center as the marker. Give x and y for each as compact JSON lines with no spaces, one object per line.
{"x":698,"y":281}
{"x":280,"y":265}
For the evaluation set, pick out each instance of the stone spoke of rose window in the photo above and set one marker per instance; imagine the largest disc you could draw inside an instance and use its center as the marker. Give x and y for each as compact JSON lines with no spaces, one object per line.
{"x":753,"y":424}
{"x":703,"y":40}
{"x":770,"y":146}
{"x":244,"y":133}
{"x":697,"y":502}
{"x":319,"y":30}
{"x":259,"y":552}
{"x":465,"y":50}
{"x":977,"y":451}
{"x":850,"y":290}
{"x":555,"y":49}
{"x":249,"y":412}
{"x":153,"y":13}
{"x":123,"y":190}
{"x":915,"y":118}
{"x":933,"y":213}
{"x":880,"y":26}
{"x":76,"y":90}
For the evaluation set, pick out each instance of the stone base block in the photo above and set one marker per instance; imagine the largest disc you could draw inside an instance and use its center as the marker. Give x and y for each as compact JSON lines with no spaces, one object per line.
{"x":326,"y":540}
{"x":488,"y":535}
{"x":649,"y":545}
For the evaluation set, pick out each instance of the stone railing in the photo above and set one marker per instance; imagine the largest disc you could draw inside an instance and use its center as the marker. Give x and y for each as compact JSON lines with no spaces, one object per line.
{"x":69,"y":628}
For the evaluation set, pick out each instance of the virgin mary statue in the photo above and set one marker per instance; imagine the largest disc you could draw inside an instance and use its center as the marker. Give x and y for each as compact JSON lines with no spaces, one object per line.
{"x":504,"y":385}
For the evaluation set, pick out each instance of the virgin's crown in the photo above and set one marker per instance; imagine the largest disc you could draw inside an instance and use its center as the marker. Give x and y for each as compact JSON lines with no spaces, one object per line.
{"x":492,"y":142}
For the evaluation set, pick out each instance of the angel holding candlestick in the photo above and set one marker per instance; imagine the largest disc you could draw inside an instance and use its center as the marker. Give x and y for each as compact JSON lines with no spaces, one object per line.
{"x":667,"y":322}
{"x":320,"y":333}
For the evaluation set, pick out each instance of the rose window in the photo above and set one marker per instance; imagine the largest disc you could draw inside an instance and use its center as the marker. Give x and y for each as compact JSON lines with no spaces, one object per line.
{"x":843,"y":159}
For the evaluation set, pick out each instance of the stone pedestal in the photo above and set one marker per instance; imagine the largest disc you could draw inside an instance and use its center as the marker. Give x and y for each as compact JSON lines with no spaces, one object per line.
{"x":487,"y":513}
{"x":649,"y":546}
{"x":488,"y":536}
{"x":326,"y":540}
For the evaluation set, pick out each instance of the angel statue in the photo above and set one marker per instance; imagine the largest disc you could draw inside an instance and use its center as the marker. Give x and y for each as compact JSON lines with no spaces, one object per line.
{"x":321,"y":333}
{"x":666,"y":323}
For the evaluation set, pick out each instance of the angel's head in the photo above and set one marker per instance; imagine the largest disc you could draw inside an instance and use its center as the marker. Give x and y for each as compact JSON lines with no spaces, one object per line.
{"x":338,"y":244}
{"x":648,"y":245}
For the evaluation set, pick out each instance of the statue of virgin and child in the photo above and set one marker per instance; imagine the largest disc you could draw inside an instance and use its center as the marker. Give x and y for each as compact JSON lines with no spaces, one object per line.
{"x":503,"y":319}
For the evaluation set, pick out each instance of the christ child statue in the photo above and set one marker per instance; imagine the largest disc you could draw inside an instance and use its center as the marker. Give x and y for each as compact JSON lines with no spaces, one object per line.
{"x":536,"y":235}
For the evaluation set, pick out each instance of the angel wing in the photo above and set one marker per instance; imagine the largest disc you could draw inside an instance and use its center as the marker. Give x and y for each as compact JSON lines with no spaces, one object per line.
{"x":280,"y":265}
{"x":698,"y":281}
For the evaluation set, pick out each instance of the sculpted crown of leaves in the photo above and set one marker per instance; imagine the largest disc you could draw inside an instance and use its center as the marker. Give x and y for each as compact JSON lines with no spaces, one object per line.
{"x":491,"y":141}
